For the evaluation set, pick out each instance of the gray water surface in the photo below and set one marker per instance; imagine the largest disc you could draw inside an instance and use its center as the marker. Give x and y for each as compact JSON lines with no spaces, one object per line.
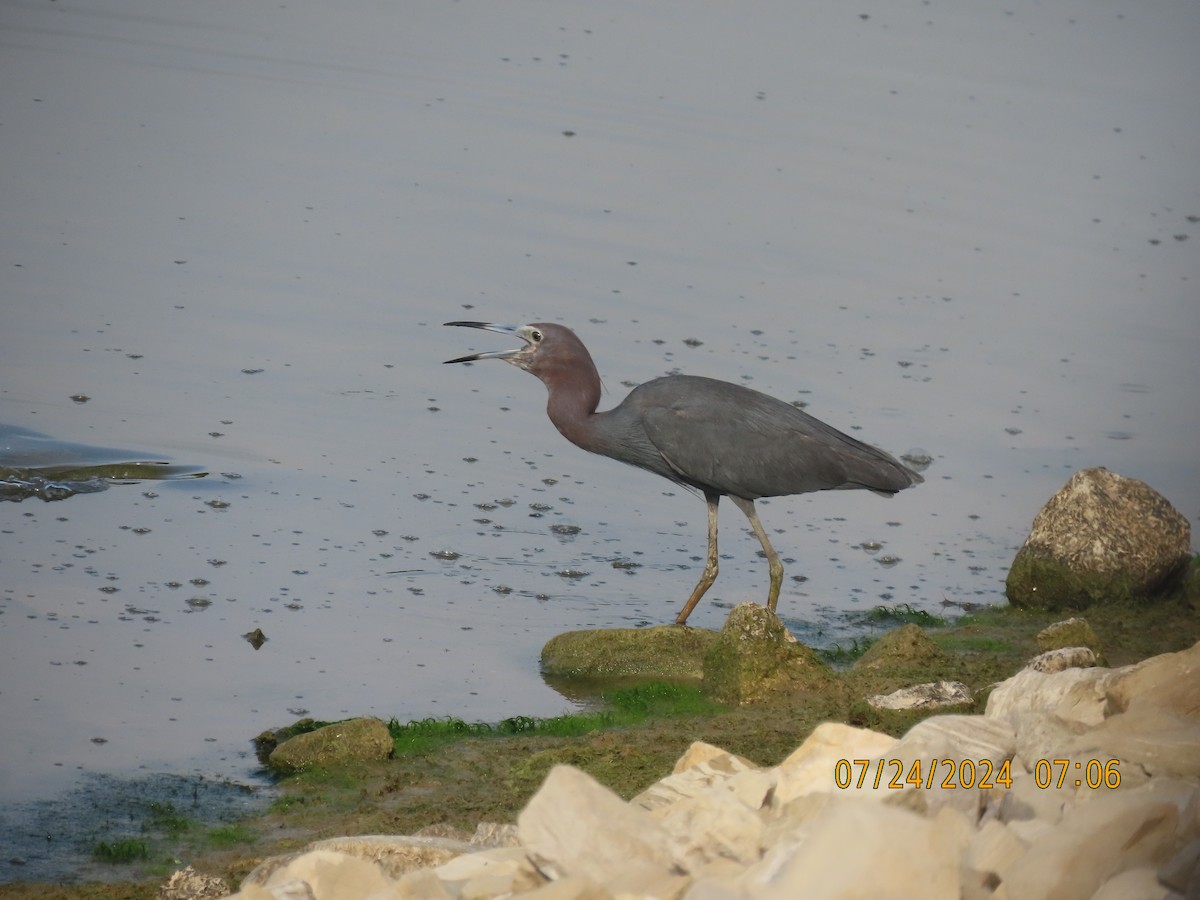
{"x":966,"y":231}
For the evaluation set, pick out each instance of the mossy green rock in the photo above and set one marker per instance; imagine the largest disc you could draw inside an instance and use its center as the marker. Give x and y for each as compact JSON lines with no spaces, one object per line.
{"x":665,"y":651}
{"x":1040,"y":583}
{"x":1103,"y":538}
{"x":364,"y":739}
{"x":753,"y":657}
{"x":906,"y":647}
{"x":1073,"y":632}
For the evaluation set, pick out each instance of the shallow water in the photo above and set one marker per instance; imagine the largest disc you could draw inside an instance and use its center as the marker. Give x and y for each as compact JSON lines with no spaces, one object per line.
{"x":236,"y":230}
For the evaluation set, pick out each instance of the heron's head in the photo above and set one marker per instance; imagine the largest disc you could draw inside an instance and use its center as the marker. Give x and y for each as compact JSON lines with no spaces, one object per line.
{"x":550,"y":351}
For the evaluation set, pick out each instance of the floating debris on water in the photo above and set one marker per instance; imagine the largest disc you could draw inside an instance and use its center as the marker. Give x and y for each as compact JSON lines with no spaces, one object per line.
{"x":256,"y":638}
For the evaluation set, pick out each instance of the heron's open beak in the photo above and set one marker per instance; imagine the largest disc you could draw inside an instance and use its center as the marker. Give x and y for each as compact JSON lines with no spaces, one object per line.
{"x":518,"y":330}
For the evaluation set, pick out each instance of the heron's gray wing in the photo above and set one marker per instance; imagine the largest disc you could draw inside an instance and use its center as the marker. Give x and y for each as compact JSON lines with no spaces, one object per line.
{"x":737,"y":441}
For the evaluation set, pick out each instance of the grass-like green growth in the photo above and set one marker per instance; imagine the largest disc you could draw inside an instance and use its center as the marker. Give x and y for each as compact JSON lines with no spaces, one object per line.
{"x":623,"y":706}
{"x":837,"y":655}
{"x":120,"y":852}
{"x":904,"y":614}
{"x":162,"y":816}
{"x":225,"y":836}
{"x":966,"y":643}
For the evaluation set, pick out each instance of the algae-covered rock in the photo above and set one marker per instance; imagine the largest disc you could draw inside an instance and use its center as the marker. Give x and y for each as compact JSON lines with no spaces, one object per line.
{"x":1072,"y":632}
{"x":906,"y":647}
{"x":1101,"y":538}
{"x":754,"y":656}
{"x":666,"y":651}
{"x":365,"y":739}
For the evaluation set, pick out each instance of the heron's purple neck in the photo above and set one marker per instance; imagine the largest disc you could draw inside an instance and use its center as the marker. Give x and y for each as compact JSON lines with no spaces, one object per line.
{"x":571,"y":405}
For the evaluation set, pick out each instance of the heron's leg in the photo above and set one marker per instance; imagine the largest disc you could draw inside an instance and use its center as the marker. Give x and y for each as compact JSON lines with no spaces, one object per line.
{"x":774,"y":566}
{"x":710,"y":565}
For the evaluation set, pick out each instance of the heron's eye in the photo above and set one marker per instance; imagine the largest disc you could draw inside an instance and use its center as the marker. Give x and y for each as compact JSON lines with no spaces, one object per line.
{"x":535,"y":336}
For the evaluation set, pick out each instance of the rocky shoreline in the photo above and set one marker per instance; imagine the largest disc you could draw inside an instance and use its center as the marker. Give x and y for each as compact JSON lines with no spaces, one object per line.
{"x":1065,"y":779}
{"x":1081,"y":782}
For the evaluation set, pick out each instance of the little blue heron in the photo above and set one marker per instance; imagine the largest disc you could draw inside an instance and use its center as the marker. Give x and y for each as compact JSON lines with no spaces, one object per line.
{"x":719,"y":438}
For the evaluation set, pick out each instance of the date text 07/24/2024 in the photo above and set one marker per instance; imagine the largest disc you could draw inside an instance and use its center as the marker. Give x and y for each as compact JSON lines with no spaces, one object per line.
{"x":967,"y":774}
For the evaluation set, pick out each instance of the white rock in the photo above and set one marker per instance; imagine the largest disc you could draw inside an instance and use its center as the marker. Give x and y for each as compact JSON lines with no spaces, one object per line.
{"x":329,"y":875}
{"x":1063,"y":658}
{"x":1182,"y":871}
{"x":420,"y":884}
{"x":1076,"y":695}
{"x":1134,"y":884}
{"x":993,"y":848}
{"x":485,"y":862}
{"x":698,"y":770}
{"x":933,"y":695}
{"x":1170,"y":681}
{"x":1110,"y":833}
{"x":898,"y":854}
{"x":965,"y":755}
{"x":811,"y":766}
{"x":574,"y":825}
{"x":1025,"y":801}
{"x":1148,"y":738}
{"x":715,"y":827}
{"x":702,"y":752}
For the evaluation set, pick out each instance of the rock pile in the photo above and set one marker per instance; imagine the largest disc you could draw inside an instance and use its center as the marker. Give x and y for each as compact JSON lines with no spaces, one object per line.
{"x":1076,"y":783}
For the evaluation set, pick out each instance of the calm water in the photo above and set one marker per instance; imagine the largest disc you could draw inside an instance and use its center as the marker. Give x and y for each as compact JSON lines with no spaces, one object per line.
{"x":237,"y":228}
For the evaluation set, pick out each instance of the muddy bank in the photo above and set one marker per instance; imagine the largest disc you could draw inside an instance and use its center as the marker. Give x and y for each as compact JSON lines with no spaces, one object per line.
{"x":458,"y":785}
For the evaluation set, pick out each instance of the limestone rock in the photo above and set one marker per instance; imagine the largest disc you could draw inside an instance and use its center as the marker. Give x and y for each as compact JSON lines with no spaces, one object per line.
{"x":490,"y":873}
{"x":1182,"y":871}
{"x":188,"y":884}
{"x":495,"y":834}
{"x":1146,"y":738}
{"x":902,"y":854}
{"x":753,"y":656}
{"x":665,"y":651}
{"x":1170,"y":681}
{"x":1043,"y":735}
{"x":574,"y":825}
{"x":1141,"y":883}
{"x":694,"y":778}
{"x":1062,"y":658}
{"x":327,"y":874}
{"x":947,"y":744}
{"x":700,"y":752}
{"x":1112,"y":832}
{"x":905,"y":647}
{"x":934,"y":695}
{"x":810,"y":767}
{"x":394,"y":854}
{"x":993,"y":848}
{"x":1075,"y":695}
{"x":1102,"y":537}
{"x":714,"y":828}
{"x":364,"y":739}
